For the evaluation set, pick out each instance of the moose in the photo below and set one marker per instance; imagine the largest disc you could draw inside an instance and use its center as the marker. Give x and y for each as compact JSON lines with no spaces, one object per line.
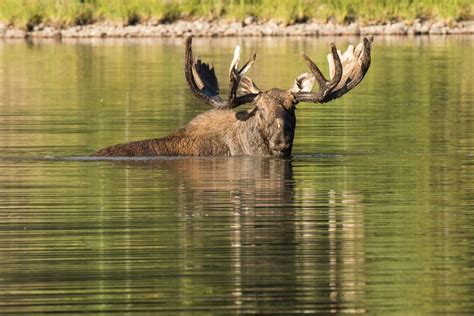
{"x":268,"y":128}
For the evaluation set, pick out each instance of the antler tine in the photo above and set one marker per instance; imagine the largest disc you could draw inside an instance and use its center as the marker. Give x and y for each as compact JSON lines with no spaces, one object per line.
{"x":337,"y":67}
{"x":246,"y":67}
{"x":208,"y":93}
{"x":235,"y":76}
{"x":345,"y":77}
{"x":235,"y":60}
{"x":318,"y":75}
{"x":325,"y":86}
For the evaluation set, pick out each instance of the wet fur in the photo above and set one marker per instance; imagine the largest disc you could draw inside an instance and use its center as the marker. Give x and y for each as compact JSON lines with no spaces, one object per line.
{"x":266,"y":130}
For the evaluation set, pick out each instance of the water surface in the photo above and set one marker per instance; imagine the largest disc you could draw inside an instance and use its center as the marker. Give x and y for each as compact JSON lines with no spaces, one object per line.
{"x":373,"y":214}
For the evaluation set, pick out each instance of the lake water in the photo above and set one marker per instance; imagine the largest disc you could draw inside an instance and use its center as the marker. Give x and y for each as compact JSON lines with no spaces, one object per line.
{"x":373,"y":214}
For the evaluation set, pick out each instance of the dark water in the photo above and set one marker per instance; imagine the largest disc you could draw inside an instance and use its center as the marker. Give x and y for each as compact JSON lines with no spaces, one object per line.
{"x":374,"y":213}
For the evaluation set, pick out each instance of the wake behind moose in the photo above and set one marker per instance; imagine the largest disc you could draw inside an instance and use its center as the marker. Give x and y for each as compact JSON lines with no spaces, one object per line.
{"x":268,"y":128}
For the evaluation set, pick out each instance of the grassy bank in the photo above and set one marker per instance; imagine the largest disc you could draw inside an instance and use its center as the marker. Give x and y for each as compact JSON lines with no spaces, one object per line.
{"x":28,"y":13}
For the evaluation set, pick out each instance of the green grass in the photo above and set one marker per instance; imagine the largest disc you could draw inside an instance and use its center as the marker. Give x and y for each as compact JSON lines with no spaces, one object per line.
{"x":27,"y":13}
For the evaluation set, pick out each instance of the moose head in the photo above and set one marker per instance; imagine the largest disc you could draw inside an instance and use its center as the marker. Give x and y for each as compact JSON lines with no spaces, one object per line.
{"x":265,"y":130}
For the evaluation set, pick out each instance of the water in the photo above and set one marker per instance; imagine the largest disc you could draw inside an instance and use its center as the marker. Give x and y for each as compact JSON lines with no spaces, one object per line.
{"x":373,"y":214}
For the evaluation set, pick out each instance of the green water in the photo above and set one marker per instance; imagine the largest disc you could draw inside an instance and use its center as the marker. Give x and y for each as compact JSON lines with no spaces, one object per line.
{"x":373,"y":214}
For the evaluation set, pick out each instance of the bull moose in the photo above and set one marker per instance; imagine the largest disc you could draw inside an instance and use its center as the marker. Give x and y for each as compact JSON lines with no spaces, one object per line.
{"x":265,"y":130}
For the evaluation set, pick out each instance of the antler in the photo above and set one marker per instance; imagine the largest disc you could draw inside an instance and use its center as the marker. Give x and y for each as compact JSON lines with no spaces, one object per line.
{"x":203,"y":81}
{"x":346,"y":71}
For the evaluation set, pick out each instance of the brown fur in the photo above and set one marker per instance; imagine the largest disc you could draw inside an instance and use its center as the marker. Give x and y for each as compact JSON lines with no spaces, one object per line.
{"x":266,"y":130}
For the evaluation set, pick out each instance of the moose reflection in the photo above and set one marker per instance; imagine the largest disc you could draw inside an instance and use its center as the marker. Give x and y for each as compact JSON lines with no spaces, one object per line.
{"x":245,"y":225}
{"x":265,"y":130}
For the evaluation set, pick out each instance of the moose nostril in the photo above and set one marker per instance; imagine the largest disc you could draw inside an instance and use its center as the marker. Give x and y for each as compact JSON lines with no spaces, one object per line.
{"x":279,"y":145}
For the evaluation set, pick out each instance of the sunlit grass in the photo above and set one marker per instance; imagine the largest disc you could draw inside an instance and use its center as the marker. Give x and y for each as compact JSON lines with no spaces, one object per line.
{"x":27,"y":13}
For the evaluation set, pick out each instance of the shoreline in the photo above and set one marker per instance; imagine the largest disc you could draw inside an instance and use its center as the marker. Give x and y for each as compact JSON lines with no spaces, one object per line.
{"x":247,"y":28}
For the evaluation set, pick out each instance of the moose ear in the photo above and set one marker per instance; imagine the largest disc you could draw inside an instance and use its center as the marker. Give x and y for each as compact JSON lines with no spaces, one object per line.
{"x":245,"y":115}
{"x":304,"y":83}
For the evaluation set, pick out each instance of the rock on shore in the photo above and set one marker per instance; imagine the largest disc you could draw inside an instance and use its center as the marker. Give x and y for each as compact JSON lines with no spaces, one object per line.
{"x":249,"y":27}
